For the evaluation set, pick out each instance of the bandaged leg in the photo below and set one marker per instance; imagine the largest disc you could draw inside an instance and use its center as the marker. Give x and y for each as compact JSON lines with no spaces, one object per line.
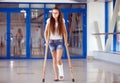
{"x":61,"y":72}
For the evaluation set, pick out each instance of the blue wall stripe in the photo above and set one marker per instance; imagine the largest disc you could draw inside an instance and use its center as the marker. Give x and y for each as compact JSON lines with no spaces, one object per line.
{"x":8,"y":35}
{"x":28,"y":31}
{"x":106,"y":20}
{"x":114,"y":36}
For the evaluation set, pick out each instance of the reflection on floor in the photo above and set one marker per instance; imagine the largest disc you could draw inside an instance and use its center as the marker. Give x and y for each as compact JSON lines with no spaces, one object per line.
{"x":85,"y":71}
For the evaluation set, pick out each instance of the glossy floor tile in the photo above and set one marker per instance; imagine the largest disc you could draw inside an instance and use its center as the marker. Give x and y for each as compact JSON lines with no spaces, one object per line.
{"x":85,"y":71}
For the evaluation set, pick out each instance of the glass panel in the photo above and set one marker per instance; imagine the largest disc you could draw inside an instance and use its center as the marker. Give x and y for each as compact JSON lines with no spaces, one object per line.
{"x":65,"y":5}
{"x":70,"y":6}
{"x":50,"y":5}
{"x":23,"y":5}
{"x":37,"y":31}
{"x":18,"y":32}
{"x":9,"y":5}
{"x":2,"y":34}
{"x":37,"y":5}
{"x":78,"y":6}
{"x":75,"y":33}
{"x":14,"y":5}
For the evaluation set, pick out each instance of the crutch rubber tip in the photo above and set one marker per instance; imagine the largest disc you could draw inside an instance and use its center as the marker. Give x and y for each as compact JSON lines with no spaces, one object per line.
{"x":43,"y":80}
{"x":73,"y":80}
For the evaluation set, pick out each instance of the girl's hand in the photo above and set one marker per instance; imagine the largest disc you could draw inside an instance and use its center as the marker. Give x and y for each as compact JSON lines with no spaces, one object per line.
{"x":46,"y":43}
{"x":67,"y":44}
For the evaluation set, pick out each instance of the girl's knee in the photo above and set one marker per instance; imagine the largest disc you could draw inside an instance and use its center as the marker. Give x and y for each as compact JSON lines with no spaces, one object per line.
{"x":59,"y":61}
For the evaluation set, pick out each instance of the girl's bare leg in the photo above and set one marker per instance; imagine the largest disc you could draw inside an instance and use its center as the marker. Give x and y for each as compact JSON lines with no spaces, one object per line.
{"x":55,"y":64}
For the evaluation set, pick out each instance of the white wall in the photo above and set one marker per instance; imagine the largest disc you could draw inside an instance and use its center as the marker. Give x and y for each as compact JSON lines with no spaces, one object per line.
{"x":95,"y":12}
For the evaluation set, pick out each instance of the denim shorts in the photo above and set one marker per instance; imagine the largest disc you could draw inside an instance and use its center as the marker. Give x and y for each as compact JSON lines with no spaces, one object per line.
{"x":55,"y":44}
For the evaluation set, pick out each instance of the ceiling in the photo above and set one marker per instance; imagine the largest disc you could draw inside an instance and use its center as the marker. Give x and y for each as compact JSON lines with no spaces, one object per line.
{"x":56,"y":1}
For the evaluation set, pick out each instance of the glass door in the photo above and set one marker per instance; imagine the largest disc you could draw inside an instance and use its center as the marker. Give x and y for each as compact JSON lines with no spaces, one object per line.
{"x":37,"y":33}
{"x":3,"y":23}
{"x":18,"y":34}
{"x":75,"y":30}
{"x":76,"y":24}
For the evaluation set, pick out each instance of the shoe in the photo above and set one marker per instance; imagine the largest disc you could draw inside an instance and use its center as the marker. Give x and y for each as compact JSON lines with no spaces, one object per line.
{"x":56,"y":79}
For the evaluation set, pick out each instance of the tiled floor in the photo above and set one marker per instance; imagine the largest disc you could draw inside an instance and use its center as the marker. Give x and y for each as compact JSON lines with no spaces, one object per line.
{"x":30,"y":71}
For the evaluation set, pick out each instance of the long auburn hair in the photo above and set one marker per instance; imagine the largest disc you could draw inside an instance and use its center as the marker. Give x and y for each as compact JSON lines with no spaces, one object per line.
{"x":61,"y":27}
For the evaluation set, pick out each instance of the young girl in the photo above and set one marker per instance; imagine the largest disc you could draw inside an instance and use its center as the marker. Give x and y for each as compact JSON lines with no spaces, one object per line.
{"x":54,"y":33}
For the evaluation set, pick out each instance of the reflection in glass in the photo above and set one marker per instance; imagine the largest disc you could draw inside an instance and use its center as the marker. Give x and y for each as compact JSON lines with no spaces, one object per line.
{"x":18,"y":35}
{"x":75,"y":33}
{"x":102,"y":72}
{"x":118,"y":35}
{"x":2,"y":34}
{"x":107,"y":77}
{"x":37,"y":31}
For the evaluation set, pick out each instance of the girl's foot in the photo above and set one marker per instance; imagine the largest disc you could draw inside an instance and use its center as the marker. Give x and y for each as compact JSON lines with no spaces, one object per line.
{"x":61,"y":77}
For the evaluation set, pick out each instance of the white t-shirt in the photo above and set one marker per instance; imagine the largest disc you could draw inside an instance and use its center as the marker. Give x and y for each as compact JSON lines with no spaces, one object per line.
{"x":56,"y":35}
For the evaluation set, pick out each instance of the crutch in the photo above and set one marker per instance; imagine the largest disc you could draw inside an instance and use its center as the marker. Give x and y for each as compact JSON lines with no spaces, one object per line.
{"x":70,"y":65}
{"x":44,"y":65}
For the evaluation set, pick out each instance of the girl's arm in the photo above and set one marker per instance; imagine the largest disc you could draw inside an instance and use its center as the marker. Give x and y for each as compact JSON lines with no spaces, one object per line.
{"x":46,"y":33}
{"x":65,"y":35}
